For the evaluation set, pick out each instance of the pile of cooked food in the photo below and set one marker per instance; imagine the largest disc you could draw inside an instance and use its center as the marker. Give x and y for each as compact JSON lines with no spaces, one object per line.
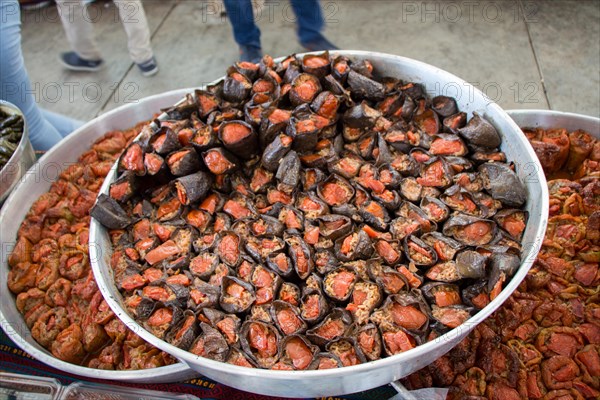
{"x":51,"y":276}
{"x":544,"y":342}
{"x":11,"y":131}
{"x":311,"y":214}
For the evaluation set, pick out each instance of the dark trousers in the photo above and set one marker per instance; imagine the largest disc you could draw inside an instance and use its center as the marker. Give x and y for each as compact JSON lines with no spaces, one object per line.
{"x":246,"y":33}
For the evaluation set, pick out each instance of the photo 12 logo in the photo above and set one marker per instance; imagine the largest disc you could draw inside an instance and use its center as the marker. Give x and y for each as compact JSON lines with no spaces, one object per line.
{"x":468,"y":11}
{"x":115,"y":12}
{"x":74,"y":92}
{"x":268,"y":11}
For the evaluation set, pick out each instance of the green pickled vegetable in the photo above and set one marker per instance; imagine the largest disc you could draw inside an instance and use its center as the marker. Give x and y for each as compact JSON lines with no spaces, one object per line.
{"x":11,"y":131}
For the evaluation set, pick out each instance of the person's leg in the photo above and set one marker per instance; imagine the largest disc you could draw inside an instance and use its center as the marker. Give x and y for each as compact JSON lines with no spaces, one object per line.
{"x":310,"y":25}
{"x":310,"y":19}
{"x":14,"y":81}
{"x":78,"y":29}
{"x":135,"y":23}
{"x":241,"y":16}
{"x":64,"y":125}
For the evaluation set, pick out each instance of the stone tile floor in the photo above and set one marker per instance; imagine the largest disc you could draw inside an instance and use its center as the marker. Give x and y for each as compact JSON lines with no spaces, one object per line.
{"x":542,"y":54}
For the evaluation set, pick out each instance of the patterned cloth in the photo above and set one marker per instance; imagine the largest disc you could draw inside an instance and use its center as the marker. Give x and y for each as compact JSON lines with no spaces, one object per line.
{"x":13,"y":359}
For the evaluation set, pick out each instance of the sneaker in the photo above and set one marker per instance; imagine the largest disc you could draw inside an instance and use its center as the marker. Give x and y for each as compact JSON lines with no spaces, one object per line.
{"x":149,"y":67}
{"x":319,"y":44}
{"x":33,"y":5}
{"x":72,"y":61}
{"x":251,"y":54}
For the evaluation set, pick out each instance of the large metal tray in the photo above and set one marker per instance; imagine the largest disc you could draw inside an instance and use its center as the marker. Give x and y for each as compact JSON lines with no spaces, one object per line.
{"x":380,"y":372}
{"x":21,"y":159}
{"x":37,"y":181}
{"x":548,"y":119}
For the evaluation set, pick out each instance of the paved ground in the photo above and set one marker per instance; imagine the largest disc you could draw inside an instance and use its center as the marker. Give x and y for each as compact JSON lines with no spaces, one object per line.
{"x":524,"y":54}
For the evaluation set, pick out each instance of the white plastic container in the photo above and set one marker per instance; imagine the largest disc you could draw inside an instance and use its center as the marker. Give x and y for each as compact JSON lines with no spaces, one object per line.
{"x":27,"y":387}
{"x":91,"y":391}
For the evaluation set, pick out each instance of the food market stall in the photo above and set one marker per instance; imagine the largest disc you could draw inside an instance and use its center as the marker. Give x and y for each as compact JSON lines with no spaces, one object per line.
{"x":316,"y":211}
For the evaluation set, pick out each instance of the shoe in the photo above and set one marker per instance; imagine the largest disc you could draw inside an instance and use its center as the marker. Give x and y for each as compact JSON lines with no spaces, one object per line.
{"x":32,"y":5}
{"x":319,"y":44}
{"x":251,"y":54}
{"x":149,"y":67}
{"x":72,"y":61}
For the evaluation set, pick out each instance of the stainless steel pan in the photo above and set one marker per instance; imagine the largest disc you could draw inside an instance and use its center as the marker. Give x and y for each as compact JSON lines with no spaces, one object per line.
{"x":380,"y":372}
{"x":37,"y":181}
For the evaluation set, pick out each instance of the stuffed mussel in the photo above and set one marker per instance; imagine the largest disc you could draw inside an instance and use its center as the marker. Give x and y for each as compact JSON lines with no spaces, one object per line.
{"x":312,"y":214}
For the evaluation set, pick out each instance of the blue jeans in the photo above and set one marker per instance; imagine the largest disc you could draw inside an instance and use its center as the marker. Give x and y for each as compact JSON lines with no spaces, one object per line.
{"x":246,"y":33}
{"x":45,"y":128}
